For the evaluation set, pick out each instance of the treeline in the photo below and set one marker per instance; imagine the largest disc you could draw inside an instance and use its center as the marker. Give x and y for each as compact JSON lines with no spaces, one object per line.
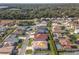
{"x":26,"y":23}
{"x":22,"y":12}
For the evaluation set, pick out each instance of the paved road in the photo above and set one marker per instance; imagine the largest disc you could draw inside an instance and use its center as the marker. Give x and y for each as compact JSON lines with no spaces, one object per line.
{"x":6,"y":39}
{"x":24,"y":45}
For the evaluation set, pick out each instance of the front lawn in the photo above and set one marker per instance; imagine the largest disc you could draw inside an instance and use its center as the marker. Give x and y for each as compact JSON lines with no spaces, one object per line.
{"x":30,"y":41}
{"x":28,"y":51}
{"x":20,"y":45}
{"x":41,"y":51}
{"x":74,"y":37}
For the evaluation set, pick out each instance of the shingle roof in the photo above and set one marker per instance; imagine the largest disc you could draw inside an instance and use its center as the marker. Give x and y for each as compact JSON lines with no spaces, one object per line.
{"x":65,"y":43}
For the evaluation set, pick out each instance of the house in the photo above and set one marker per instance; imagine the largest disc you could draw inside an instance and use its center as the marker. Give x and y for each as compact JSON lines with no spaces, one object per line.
{"x":22,"y":37}
{"x":76,"y":29}
{"x":76,"y":26}
{"x":65,"y":42}
{"x":12,"y":39}
{"x":44,"y":23}
{"x":31,"y":36}
{"x":45,"y":19}
{"x":40,"y":37}
{"x":1,"y":34}
{"x":19,"y":32}
{"x":41,"y":30}
{"x":30,"y":32}
{"x":6,"y":22}
{"x":42,"y":19}
{"x":3,"y":28}
{"x":6,"y":49}
{"x":56,"y":29}
{"x":43,"y":45}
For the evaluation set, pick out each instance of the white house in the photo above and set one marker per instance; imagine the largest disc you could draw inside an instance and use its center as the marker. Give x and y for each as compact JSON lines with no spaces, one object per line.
{"x":31,"y":36}
{"x":22,"y":37}
{"x":76,"y":31}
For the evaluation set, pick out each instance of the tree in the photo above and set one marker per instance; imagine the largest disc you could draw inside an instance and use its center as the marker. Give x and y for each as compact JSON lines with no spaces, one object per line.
{"x":20,"y":41}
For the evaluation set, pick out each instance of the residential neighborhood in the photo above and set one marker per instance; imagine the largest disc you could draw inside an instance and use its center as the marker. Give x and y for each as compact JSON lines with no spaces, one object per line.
{"x":48,"y":37}
{"x":39,"y":29}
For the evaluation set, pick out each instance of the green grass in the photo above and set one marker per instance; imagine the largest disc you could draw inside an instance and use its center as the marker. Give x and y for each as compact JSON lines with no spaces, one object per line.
{"x":20,"y":45}
{"x":52,"y":47}
{"x":51,"y":41}
{"x":52,"y":44}
{"x":28,"y":52}
{"x":1,"y":39}
{"x":41,"y":51}
{"x":76,"y":35}
{"x":30,"y":41}
{"x":71,"y":30}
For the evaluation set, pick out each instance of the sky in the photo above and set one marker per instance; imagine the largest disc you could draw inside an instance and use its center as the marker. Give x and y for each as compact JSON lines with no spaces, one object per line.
{"x":39,"y":1}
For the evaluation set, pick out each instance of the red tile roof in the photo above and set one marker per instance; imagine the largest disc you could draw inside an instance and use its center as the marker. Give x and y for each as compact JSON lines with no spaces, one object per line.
{"x":41,"y":36}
